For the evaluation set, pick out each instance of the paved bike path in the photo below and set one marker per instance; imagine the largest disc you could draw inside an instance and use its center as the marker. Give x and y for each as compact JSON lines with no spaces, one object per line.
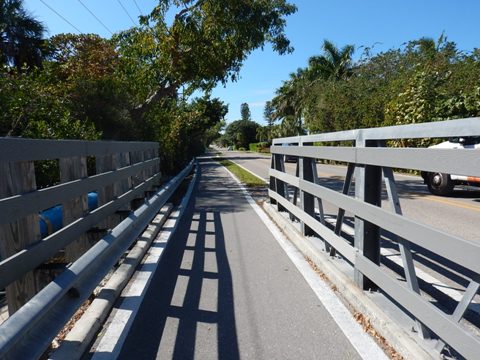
{"x":227,"y":290}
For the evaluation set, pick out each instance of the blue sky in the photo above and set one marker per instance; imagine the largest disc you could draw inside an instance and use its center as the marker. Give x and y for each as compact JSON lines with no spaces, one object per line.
{"x":382,"y":24}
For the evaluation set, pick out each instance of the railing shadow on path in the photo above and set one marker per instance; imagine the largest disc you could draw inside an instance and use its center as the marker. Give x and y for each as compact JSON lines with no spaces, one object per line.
{"x":188,"y":310}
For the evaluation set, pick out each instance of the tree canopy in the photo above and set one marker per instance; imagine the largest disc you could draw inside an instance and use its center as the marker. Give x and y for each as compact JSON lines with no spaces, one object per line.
{"x":150,"y":82}
{"x":424,"y":80}
{"x":206,"y":43}
{"x":245,"y":112}
{"x":21,"y":36}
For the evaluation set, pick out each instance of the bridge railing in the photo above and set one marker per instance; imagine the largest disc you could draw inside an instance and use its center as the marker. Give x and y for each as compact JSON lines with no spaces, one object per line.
{"x":124,"y":180}
{"x":370,"y":162}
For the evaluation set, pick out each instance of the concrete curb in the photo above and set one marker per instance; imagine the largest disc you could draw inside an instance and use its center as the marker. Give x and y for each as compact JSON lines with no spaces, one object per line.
{"x":79,"y":338}
{"x":401,"y":340}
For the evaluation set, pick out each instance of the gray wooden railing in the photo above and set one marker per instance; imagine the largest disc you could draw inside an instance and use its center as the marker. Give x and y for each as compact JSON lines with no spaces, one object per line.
{"x":370,"y":162}
{"x":124,"y":176}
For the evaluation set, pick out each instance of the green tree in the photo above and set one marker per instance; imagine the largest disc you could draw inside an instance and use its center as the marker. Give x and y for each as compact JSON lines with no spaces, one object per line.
{"x":86,"y":67}
{"x":334,"y":63}
{"x":183,"y":129}
{"x":241,"y":133}
{"x":288,"y":104}
{"x":31,"y":108}
{"x":269,"y":116}
{"x":21,"y":36}
{"x":245,"y":112}
{"x":205,"y":43}
{"x":262,"y":133}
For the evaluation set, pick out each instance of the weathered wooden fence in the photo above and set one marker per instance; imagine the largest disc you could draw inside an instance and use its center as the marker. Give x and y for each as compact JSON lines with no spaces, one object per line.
{"x":371,"y":162}
{"x":125,"y":179}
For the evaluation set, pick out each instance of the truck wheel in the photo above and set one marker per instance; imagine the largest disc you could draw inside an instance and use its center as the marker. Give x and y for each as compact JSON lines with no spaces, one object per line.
{"x":440,"y":184}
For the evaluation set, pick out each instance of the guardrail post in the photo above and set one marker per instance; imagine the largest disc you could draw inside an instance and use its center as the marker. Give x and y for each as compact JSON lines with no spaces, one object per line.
{"x":279,"y":185}
{"x":368,"y":187}
{"x":17,"y":178}
{"x":72,"y":169}
{"x":272,"y":179}
{"x":308,"y":201}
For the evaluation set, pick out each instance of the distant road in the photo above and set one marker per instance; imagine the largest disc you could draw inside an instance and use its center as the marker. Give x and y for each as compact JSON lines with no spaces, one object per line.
{"x":458,"y":214}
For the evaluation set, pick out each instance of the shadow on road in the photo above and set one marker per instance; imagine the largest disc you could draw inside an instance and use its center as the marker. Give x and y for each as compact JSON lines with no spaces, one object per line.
{"x":188,"y":311}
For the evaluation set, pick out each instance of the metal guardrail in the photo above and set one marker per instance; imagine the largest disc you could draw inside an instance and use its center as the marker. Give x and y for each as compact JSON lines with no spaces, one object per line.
{"x":370,"y":163}
{"x":127,"y":181}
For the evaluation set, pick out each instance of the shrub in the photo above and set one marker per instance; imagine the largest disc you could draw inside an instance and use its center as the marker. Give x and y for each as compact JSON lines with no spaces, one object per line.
{"x":259,"y":147}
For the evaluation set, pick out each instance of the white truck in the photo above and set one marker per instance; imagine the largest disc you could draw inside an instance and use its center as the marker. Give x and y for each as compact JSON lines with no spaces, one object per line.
{"x":443,"y":184}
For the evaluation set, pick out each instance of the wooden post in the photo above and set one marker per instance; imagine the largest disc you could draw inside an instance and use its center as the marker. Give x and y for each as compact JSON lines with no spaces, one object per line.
{"x":72,"y":169}
{"x":157,"y":166}
{"x":17,"y":178}
{"x":109,"y":192}
{"x":147,"y":155}
{"x":125,"y":184}
{"x":136,"y":157}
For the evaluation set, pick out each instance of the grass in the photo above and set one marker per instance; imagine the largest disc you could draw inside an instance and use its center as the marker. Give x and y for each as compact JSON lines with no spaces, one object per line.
{"x":244,"y":176}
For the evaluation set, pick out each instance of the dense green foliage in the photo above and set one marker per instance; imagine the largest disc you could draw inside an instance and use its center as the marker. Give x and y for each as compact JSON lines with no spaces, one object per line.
{"x":259,"y":147}
{"x":240,"y":133}
{"x":139,"y":85}
{"x":21,"y":36}
{"x":425,"y":80}
{"x":245,"y":112}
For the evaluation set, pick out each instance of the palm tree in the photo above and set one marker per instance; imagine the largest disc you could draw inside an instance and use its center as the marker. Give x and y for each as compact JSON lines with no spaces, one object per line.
{"x":21,"y":36}
{"x":290,"y":126}
{"x":334,"y":64}
{"x":289,"y":100}
{"x":434,"y":51}
{"x":262,"y":133}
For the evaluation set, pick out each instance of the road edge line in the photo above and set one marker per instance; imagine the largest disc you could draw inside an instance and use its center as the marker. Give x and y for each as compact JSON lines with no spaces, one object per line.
{"x":364,"y":344}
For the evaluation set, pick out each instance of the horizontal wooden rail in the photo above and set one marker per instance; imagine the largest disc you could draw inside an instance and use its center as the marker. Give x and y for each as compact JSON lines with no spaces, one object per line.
{"x":36,"y":254}
{"x":17,"y":206}
{"x":17,"y":149}
{"x":122,"y":174}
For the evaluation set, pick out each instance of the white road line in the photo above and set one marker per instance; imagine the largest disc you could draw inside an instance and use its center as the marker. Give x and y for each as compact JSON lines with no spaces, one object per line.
{"x":363,"y":343}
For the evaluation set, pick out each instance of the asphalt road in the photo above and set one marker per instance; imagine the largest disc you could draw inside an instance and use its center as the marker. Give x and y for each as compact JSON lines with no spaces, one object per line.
{"x":230,"y":291}
{"x":458,"y":214}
